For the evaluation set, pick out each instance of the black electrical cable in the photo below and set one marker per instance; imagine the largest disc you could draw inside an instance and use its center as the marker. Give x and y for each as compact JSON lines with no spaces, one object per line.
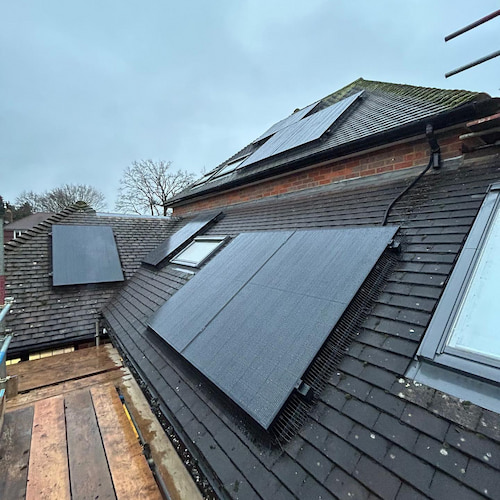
{"x":435,"y":159}
{"x":393,"y":202}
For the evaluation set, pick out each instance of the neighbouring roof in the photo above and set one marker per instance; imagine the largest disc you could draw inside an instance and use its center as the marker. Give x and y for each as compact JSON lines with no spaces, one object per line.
{"x":28,"y":222}
{"x":371,"y":432}
{"x":43,"y":315}
{"x":382,"y":108}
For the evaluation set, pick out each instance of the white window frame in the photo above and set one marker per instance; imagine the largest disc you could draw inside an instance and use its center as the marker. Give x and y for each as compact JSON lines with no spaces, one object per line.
{"x":467,"y":375}
{"x":185,"y":262}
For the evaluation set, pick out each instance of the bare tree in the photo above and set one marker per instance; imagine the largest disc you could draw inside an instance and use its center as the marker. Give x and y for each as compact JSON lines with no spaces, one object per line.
{"x":147,"y":185}
{"x":61,"y":197}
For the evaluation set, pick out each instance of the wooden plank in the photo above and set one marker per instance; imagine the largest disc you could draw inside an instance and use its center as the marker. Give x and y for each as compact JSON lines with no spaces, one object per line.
{"x":132,"y":477}
{"x":55,"y":369}
{"x":48,"y":475}
{"x":169,"y":465}
{"x":28,"y":398}
{"x":14,"y":453}
{"x":89,"y":473}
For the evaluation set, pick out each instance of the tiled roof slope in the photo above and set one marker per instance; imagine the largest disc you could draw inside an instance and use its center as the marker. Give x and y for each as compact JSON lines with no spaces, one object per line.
{"x":383,"y":107}
{"x":372,"y":433}
{"x":43,"y":316}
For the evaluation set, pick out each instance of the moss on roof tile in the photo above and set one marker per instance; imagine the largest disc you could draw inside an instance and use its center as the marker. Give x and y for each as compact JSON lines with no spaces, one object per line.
{"x":447,"y":98}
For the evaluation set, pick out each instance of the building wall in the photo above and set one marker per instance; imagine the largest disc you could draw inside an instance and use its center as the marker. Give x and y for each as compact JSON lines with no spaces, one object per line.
{"x":396,"y":157}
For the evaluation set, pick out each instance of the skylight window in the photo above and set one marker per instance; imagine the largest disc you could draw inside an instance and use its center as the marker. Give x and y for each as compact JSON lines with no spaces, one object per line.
{"x":198,"y":251}
{"x":181,"y":238}
{"x":462,"y":337}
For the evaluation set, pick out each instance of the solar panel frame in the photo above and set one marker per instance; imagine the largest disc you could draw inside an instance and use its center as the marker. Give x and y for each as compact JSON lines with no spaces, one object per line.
{"x":300,"y":287}
{"x":83,"y":254}
{"x":289,"y":120}
{"x":178,"y":240}
{"x":301,"y":132}
{"x":215,"y":286}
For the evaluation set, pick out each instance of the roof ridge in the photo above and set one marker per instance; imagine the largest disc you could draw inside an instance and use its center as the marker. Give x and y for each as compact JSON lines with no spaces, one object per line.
{"x":79,"y":206}
{"x":453,"y":97}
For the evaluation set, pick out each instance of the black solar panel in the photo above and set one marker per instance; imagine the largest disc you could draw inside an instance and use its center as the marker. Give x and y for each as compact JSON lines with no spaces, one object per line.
{"x":175,"y":242}
{"x":289,"y":120}
{"x":255,"y":317}
{"x":302,"y":131}
{"x":84,"y":254}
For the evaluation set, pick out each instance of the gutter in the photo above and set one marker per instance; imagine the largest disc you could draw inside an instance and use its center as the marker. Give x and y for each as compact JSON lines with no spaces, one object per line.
{"x":455,"y":116}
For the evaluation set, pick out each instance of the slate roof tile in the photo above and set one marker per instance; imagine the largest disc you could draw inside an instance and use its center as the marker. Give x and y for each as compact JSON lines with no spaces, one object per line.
{"x":396,"y":431}
{"x":378,"y":377}
{"x":314,"y":462}
{"x":334,"y":421}
{"x":289,"y":472}
{"x":341,"y":453}
{"x":345,"y":487}
{"x":474,"y":445}
{"x":310,"y":488}
{"x":441,"y":455}
{"x":354,"y":386}
{"x":443,"y":486}
{"x":489,"y":425}
{"x":425,"y":422}
{"x":376,"y":478}
{"x":406,"y":465}
{"x":386,"y":402}
{"x":369,"y":442}
{"x":483,"y":479}
{"x":407,"y":492}
{"x":360,"y":412}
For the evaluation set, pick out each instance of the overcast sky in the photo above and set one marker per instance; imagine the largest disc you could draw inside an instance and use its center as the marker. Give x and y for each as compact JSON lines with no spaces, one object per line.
{"x":87,"y":87}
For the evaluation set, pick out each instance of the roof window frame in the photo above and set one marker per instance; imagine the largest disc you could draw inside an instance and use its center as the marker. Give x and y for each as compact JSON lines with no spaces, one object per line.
{"x":177,"y":259}
{"x":458,"y":371}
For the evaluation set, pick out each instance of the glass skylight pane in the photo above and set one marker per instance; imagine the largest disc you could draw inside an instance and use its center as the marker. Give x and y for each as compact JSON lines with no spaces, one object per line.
{"x":475,"y":328}
{"x":197,"y":251}
{"x":172,"y":244}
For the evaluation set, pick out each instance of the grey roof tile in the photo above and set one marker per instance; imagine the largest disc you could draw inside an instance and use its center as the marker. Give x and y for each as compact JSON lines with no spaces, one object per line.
{"x":441,"y":456}
{"x":445,"y":487}
{"x":345,"y":487}
{"x":406,"y":465}
{"x":376,"y":478}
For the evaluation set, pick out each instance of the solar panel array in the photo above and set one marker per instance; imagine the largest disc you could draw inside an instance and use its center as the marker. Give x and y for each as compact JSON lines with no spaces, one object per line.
{"x":84,"y":254}
{"x":301,"y":132}
{"x":175,"y":242}
{"x":289,"y":120}
{"x":254,"y":318}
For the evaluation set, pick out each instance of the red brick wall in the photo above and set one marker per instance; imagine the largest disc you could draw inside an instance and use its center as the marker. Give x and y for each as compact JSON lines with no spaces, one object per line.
{"x":392,"y":158}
